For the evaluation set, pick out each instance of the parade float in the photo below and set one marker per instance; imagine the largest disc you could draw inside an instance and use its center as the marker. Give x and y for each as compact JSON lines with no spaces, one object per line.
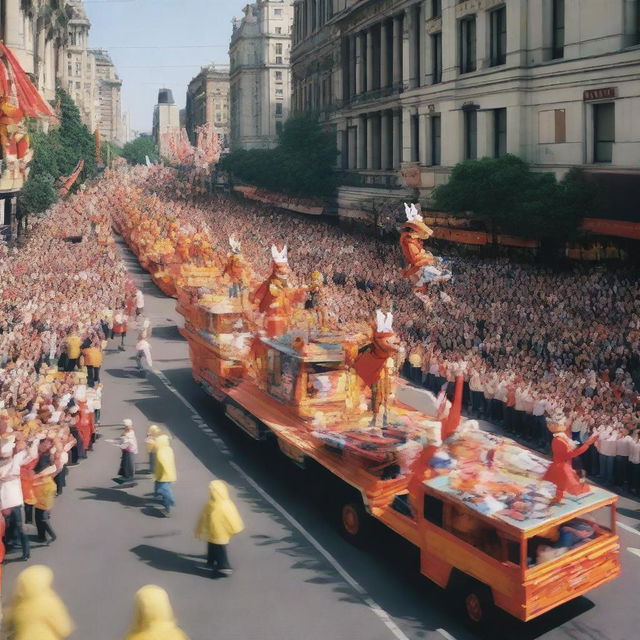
{"x":494,"y":522}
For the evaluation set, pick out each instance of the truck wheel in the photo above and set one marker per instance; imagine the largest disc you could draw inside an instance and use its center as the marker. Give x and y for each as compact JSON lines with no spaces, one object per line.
{"x":354,"y":522}
{"x":477,"y":604}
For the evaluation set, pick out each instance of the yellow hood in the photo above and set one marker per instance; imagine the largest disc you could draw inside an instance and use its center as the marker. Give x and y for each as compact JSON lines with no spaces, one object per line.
{"x":219,"y":520}
{"x":165,"y":469}
{"x":153,"y":616}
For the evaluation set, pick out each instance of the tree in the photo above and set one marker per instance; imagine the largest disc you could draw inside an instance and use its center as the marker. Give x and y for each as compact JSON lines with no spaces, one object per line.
{"x":76,"y":141}
{"x":508,"y":197}
{"x":303,"y":163}
{"x":136,"y":151}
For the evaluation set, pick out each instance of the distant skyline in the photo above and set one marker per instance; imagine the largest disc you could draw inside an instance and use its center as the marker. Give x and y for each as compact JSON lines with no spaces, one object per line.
{"x":160,"y":43}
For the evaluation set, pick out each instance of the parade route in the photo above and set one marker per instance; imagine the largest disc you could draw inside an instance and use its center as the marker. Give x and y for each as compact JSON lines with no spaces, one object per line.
{"x":296,"y":578}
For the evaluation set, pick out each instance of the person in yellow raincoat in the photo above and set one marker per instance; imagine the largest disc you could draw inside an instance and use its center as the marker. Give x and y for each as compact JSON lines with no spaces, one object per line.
{"x":219,"y":521}
{"x":164,"y":472}
{"x":36,"y":612}
{"x":153,"y":616}
{"x":150,"y":441}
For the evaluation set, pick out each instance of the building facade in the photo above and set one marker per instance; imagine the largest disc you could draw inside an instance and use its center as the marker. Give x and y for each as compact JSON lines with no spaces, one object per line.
{"x":166,"y":118}
{"x":412,"y":87}
{"x":260,"y":73}
{"x":36,"y":32}
{"x":82,"y":84}
{"x":109,"y":106}
{"x":208,"y":101}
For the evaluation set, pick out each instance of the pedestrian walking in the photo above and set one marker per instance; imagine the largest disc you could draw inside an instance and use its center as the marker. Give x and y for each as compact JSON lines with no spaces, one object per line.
{"x":128,"y":446}
{"x":92,"y":356}
{"x":35,"y":611}
{"x":219,"y":521}
{"x":150,"y":441}
{"x":153,"y":617}
{"x":44,"y":488}
{"x":143,"y":350}
{"x":164,"y":472}
{"x":72,"y":345}
{"x":139,"y":303}
{"x":119,"y":328}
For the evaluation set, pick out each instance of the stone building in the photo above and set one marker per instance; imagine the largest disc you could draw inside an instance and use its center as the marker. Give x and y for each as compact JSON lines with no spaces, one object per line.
{"x":82,"y":84}
{"x":208,"y":101}
{"x":260,"y":74}
{"x":109,"y":109}
{"x":166,"y":118}
{"x":36,"y":32}
{"x":412,"y":87}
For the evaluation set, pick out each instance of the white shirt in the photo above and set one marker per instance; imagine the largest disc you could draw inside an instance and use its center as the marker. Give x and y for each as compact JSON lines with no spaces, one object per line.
{"x":622,"y":446}
{"x":634,"y":451}
{"x":10,"y":485}
{"x":128,"y":442}
{"x":139,"y":299}
{"x":143,"y":345}
{"x":608,"y":446}
{"x":539,"y":407}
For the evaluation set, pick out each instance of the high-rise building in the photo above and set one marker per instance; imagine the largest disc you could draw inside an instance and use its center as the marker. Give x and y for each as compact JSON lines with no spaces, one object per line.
{"x":208,"y":101}
{"x":82,"y":83}
{"x":109,"y":111}
{"x":36,"y":32}
{"x":166,"y":118}
{"x":412,"y":88}
{"x":260,"y":76}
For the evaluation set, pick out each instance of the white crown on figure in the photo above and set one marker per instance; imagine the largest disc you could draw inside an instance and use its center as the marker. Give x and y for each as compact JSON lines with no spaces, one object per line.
{"x":234,"y":243}
{"x":279,"y":257}
{"x":384,"y":322}
{"x":412,"y":213}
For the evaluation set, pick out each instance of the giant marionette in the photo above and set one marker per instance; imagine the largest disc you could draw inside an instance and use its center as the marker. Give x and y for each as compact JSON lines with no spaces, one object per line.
{"x":276,"y":296}
{"x":375,"y":365}
{"x":422,"y":266}
{"x":237,"y":270}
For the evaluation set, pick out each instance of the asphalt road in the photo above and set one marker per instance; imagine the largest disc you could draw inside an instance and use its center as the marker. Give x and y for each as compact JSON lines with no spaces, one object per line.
{"x":296,"y":577}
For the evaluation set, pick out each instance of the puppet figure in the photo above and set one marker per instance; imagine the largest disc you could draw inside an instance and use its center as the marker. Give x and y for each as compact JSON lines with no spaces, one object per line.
{"x":275,"y":297}
{"x":375,"y":366}
{"x":315,"y":302}
{"x":237,"y":270}
{"x":421,"y":267}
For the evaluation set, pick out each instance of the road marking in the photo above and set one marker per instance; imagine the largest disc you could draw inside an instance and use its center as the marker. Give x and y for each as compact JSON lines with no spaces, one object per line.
{"x":626,"y":527}
{"x":351,"y":581}
{"x":445,"y":634}
{"x":635,"y":552}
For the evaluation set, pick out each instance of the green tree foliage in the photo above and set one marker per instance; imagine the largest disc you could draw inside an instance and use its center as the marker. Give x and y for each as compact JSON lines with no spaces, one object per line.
{"x":302,"y":164}
{"x":512,"y":199}
{"x":136,"y":151}
{"x":56,"y":154}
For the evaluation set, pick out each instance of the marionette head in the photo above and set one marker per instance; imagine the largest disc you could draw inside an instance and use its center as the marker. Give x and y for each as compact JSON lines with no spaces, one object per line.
{"x":415,"y":224}
{"x":280,"y":262}
{"x":234,"y":243}
{"x":556,"y":423}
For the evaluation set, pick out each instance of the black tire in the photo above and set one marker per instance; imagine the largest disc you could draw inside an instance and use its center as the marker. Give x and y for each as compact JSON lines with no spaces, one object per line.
{"x":474,"y":602}
{"x":354,"y":522}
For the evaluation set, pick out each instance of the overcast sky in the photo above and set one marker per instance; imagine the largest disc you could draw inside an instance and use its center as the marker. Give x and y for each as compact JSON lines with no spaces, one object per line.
{"x":160,"y":43}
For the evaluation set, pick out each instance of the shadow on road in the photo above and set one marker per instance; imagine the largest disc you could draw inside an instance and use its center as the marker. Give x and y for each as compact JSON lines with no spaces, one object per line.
{"x":113,"y":495}
{"x":630,"y":513}
{"x":165,"y":560}
{"x":167,"y":333}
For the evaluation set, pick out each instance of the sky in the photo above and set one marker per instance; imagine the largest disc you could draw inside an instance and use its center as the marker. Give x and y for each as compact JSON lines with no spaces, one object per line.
{"x":160,"y":43}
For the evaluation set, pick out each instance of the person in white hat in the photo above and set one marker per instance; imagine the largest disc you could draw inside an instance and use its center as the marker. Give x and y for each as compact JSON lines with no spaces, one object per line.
{"x":128,"y":445}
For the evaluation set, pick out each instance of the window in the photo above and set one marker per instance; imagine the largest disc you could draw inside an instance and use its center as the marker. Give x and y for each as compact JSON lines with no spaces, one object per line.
{"x":468,"y":45}
{"x":278,"y":59}
{"x":604,"y":134}
{"x":78,"y":68}
{"x":278,"y":127}
{"x":436,"y":8}
{"x":279,"y":92}
{"x":278,"y":30}
{"x":551,"y":126}
{"x":73,"y":38}
{"x":436,"y":57}
{"x":277,"y":12}
{"x":279,"y":48}
{"x":278,"y":108}
{"x":278,"y":76}
{"x":433,"y":510}
{"x":70,"y":69}
{"x":78,"y":85}
{"x":435,"y":141}
{"x":557,"y":26}
{"x":498,"y":36}
{"x":470,"y":135}
{"x":499,"y":132}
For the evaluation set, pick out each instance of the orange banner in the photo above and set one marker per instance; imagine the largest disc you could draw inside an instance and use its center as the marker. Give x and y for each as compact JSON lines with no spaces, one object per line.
{"x":516,"y":241}
{"x":618,"y":228}
{"x":458,"y":235}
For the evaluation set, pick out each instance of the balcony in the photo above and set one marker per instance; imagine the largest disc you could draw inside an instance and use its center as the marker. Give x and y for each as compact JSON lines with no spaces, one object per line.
{"x":375,"y":95}
{"x":385,"y":179}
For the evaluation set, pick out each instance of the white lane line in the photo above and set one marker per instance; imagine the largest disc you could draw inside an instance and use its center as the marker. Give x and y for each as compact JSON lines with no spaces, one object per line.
{"x":626,"y":527}
{"x":635,"y":552}
{"x":445,"y":634}
{"x":352,"y":582}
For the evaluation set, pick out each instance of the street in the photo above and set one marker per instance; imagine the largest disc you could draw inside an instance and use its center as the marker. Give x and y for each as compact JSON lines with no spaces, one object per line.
{"x":296,"y":577}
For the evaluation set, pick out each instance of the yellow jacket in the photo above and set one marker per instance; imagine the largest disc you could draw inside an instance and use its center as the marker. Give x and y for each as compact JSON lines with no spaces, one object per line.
{"x":153,"y":617}
{"x":73,"y":346}
{"x":44,"y":490}
{"x":92,"y":356}
{"x":165,"y":469}
{"x":219,"y":520}
{"x":36,"y":612}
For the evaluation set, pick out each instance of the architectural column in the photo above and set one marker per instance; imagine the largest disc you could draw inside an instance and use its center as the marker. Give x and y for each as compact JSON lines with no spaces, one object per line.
{"x":397,"y":50}
{"x":386,"y":138}
{"x":407,"y":138}
{"x":352,"y":150}
{"x":362,"y":143}
{"x":408,"y":52}
{"x":396,"y":138}
{"x":425,"y":68}
{"x":359,"y":61}
{"x":342,"y":161}
{"x":384,"y":54}
{"x":423,"y":128}
{"x":484,"y":125}
{"x":13,"y":16}
{"x":369,"y":50}
{"x":371,"y":121}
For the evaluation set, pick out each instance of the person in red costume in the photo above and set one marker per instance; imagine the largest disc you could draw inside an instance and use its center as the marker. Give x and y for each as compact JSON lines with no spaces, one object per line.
{"x":561,"y":472}
{"x":84,"y":425}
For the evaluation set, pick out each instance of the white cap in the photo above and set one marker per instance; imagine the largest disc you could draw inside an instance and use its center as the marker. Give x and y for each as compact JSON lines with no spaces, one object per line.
{"x":127,"y":422}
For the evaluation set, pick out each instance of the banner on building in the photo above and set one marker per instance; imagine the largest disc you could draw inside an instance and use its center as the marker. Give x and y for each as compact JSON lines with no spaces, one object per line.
{"x":618,"y":228}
